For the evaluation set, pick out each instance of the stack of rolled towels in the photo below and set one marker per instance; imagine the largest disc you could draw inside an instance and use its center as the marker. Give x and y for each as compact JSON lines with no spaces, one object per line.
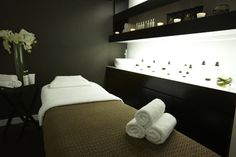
{"x":9,"y":81}
{"x":152,"y":123}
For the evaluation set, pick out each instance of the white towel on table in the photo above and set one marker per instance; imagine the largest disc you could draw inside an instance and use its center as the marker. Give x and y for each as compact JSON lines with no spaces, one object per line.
{"x":158,"y":132}
{"x":4,"y":77}
{"x":150,"y":112}
{"x":52,"y":97}
{"x":10,"y":84}
{"x":69,"y":81}
{"x":135,"y":130}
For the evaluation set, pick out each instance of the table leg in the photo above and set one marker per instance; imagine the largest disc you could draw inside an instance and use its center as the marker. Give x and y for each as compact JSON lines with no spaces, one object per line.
{"x":8,"y":124}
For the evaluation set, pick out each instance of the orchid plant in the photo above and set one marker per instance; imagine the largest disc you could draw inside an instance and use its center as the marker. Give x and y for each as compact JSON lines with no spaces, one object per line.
{"x":25,"y":38}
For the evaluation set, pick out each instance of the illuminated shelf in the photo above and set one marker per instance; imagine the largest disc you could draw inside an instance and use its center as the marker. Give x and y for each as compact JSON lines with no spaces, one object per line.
{"x":200,"y":82}
{"x":206,"y":24}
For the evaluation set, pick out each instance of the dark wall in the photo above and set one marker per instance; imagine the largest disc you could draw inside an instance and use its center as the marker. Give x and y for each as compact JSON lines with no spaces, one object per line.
{"x":120,"y":5}
{"x":72,"y":37}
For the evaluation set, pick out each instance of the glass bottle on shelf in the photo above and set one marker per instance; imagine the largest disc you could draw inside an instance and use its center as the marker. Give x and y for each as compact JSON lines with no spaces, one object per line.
{"x":152,"y":22}
{"x":217,"y":68}
{"x":148,"y":23}
{"x":187,"y":17}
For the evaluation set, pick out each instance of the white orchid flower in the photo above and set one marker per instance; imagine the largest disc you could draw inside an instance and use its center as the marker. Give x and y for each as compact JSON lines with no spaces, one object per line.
{"x":24,"y":37}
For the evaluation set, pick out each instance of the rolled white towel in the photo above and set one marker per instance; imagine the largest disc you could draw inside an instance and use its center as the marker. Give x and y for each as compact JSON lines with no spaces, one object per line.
{"x":135,"y":130}
{"x":161,"y":129}
{"x":69,"y":81}
{"x":10,"y":84}
{"x":150,"y":113}
{"x":4,"y":77}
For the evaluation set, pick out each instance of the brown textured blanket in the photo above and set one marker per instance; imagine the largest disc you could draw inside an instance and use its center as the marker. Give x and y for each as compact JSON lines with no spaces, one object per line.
{"x":98,"y":130}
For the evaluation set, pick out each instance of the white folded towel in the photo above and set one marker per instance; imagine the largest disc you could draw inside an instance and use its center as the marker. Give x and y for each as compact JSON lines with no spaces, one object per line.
{"x":69,"y":81}
{"x":10,"y":84}
{"x":4,"y":77}
{"x":135,"y":130}
{"x":150,"y":113}
{"x":69,"y":78}
{"x":161,"y":129}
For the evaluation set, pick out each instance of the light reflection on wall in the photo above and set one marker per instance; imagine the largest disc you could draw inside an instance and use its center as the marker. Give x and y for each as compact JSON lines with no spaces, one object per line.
{"x":190,"y":49}
{"x":135,"y":2}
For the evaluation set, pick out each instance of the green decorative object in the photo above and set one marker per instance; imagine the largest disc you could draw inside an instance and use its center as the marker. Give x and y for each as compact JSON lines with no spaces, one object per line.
{"x":224,"y":81}
{"x":18,"y":42}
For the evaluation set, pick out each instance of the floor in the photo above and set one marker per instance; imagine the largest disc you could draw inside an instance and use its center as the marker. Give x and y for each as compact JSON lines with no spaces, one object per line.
{"x":30,"y":144}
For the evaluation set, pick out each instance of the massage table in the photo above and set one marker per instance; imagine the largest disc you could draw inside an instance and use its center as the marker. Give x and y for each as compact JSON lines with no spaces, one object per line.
{"x":97,"y":129}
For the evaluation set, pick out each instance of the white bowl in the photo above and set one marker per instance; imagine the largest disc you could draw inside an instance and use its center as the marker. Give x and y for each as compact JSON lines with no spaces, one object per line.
{"x":200,"y":15}
{"x":177,"y":20}
{"x":160,"y":24}
{"x":132,"y":29}
{"x":124,"y":63}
